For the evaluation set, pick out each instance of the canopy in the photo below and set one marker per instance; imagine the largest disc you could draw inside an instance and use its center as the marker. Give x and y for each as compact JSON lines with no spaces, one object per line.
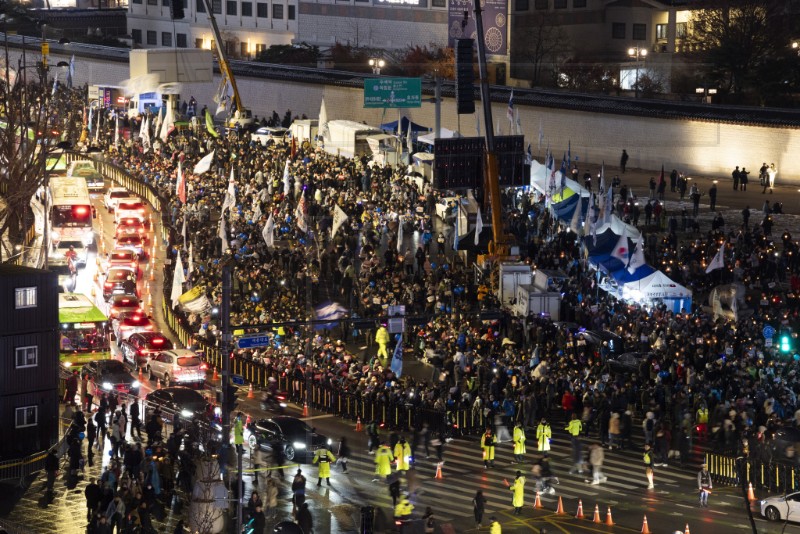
{"x":444,"y":133}
{"x":624,"y":276}
{"x":392,"y":126}
{"x":659,"y":288}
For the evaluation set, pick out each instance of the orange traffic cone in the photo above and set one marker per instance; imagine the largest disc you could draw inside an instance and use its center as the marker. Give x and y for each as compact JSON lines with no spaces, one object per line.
{"x":687,"y":529}
{"x":250,"y":393}
{"x":438,"y":471}
{"x":538,"y":502}
{"x":153,"y":273}
{"x":645,"y":528}
{"x":580,"y":515}
{"x":358,"y":425}
{"x":158,"y":383}
{"x":560,"y":509}
{"x":141,"y":374}
{"x":596,"y":518}
{"x":751,"y":495}
{"x":215,"y":376}
{"x":305,"y":409}
{"x":609,"y":521}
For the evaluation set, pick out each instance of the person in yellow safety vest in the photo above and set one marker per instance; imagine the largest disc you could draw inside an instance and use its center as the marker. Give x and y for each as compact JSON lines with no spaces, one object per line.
{"x":402,"y":453}
{"x":238,"y":431}
{"x":543,"y":435}
{"x":382,"y":339}
{"x":383,"y":461}
{"x":518,"y":487}
{"x":488,"y":441}
{"x":403,"y":509}
{"x":648,"y":465}
{"x":494,"y":526}
{"x":575,"y":427}
{"x":702,"y":421}
{"x":519,"y":442}
{"x":325,"y":458}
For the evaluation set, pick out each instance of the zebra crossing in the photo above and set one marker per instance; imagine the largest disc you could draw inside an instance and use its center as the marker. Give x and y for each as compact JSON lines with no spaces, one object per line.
{"x":464,"y":474}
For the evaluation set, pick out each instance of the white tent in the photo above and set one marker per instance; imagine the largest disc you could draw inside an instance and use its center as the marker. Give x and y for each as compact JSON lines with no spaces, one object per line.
{"x":658,"y":287}
{"x":443,"y":134}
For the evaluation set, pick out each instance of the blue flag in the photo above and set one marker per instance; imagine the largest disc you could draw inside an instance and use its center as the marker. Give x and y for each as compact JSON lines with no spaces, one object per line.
{"x":569,"y":153}
{"x":397,"y":359}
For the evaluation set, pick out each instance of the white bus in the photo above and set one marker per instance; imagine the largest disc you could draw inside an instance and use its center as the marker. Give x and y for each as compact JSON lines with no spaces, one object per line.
{"x":69,"y":211}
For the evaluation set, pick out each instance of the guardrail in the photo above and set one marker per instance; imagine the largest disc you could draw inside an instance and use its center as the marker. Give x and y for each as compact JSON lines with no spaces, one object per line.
{"x":774,"y":477}
{"x":21,"y":468}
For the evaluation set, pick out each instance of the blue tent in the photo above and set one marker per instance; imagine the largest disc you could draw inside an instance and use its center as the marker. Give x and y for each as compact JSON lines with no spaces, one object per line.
{"x":392,"y":126}
{"x":606,"y":241}
{"x":565,"y":209}
{"x":623,"y":276}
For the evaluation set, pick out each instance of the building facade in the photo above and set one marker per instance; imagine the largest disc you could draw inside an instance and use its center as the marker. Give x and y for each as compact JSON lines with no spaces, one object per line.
{"x":29,"y":355}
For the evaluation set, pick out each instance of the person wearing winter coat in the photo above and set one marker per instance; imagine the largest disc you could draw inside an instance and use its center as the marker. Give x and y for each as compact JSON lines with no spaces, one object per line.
{"x":543,"y":435}
{"x":402,"y":454}
{"x":518,"y":487}
{"x":596,"y":458}
{"x":519,"y":442}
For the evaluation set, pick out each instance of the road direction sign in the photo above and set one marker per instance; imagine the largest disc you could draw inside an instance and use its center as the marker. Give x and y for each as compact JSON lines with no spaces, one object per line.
{"x":768,"y":331}
{"x":392,"y":93}
{"x":253,"y":341}
{"x":237,"y":379}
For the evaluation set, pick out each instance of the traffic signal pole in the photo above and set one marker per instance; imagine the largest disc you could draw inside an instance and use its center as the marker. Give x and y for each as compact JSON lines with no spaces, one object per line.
{"x":225,"y":348}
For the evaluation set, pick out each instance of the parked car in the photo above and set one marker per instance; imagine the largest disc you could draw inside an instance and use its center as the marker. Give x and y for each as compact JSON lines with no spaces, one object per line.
{"x":112,"y":376}
{"x":265,"y":134}
{"x":120,"y":281}
{"x":119,"y":304}
{"x":176,"y":399}
{"x":141,"y":346}
{"x":180,"y":366}
{"x":294,"y":435}
{"x":781,"y":507}
{"x":113,"y":196}
{"x":130,"y":208}
{"x":129,"y":323}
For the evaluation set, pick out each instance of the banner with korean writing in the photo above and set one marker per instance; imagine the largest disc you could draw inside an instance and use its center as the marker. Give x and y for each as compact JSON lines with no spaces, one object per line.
{"x":495,"y":24}
{"x":392,"y":93}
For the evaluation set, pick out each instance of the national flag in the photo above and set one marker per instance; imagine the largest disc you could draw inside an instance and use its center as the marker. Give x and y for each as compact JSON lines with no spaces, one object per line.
{"x":286,"y":179}
{"x":178,"y":279}
{"x":141,"y":128}
{"x":204,"y":164}
{"x":563,"y":172}
{"x":329,"y":311}
{"x":510,"y":110}
{"x":71,"y":71}
{"x":517,"y":121}
{"x":541,"y":134}
{"x":569,"y":154}
{"x":478,"y":227}
{"x":169,"y":123}
{"x":322,"y":131}
{"x":637,"y":259}
{"x":339,"y":217}
{"x":718,"y":262}
{"x":91,"y":119}
{"x":99,"y":125}
{"x":621,"y":250}
{"x":180,"y":184}
{"x":408,"y":138}
{"x":230,"y":195}
{"x":159,"y":119}
{"x":269,"y":232}
{"x":602,"y":177}
{"x":212,"y":130}
{"x":300,"y":213}
{"x":400,"y":233}
{"x":397,"y":358}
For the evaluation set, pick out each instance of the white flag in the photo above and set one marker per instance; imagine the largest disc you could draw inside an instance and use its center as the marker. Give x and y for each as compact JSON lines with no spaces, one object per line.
{"x":142,"y":126}
{"x":116,"y":132}
{"x":339,"y":217}
{"x":146,"y":136}
{"x":204,"y":164}
{"x":269,"y":232}
{"x":223,"y":234}
{"x":300,"y":213}
{"x":609,"y":205}
{"x":191,"y":259}
{"x":286,"y":179}
{"x":575,"y":223}
{"x":323,"y":120}
{"x":621,"y":251}
{"x":637,"y":260}
{"x":256,"y":209}
{"x":183,"y":230}
{"x":169,"y":123}
{"x":719,"y":260}
{"x":157,"y":131}
{"x":230,"y":194}
{"x":478,"y":227}
{"x":177,"y":281}
{"x":400,"y":232}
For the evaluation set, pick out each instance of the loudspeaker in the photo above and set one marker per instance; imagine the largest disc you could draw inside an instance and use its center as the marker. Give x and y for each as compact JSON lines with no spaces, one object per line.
{"x":465,"y":78}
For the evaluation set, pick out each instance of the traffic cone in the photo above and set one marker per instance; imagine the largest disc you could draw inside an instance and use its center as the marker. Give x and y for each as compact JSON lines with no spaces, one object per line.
{"x":609,"y":521}
{"x":580,"y":515}
{"x":438,"y":471}
{"x":687,"y":529}
{"x":596,"y":518}
{"x":751,"y":495}
{"x":305,"y":409}
{"x":152,"y":272}
{"x":141,"y":374}
{"x":538,"y":502}
{"x":560,"y":509}
{"x":215,"y":376}
{"x":358,"y":425}
{"x":250,"y":393}
{"x":158,"y":383}
{"x":645,"y":528}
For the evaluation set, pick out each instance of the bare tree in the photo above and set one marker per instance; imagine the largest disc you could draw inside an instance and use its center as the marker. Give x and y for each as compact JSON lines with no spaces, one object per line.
{"x":541,"y":43}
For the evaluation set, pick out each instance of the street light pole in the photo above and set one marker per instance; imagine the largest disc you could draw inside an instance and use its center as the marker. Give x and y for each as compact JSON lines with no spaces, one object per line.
{"x":377,"y":64}
{"x":638,"y":53}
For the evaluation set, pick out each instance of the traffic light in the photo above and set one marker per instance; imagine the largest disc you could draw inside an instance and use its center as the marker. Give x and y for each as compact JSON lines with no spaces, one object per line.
{"x":465,"y":78}
{"x":786,"y":343}
{"x":231,"y":402}
{"x":176,"y":9}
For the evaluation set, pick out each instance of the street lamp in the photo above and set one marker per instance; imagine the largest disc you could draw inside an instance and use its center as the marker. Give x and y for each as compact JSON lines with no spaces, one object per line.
{"x":706,"y":92}
{"x":377,"y":64}
{"x":638,"y":53}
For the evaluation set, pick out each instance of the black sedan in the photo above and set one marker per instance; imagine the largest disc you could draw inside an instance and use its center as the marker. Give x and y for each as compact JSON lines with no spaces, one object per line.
{"x":141,"y":346}
{"x":177,"y":399}
{"x":630,"y":362}
{"x":295,"y":436}
{"x":112,"y":376}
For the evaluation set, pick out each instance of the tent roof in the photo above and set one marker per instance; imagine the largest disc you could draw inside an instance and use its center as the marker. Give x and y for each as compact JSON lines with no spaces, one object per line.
{"x":392,"y":126}
{"x":659,"y":285}
{"x":623,"y":276}
{"x":444,"y":133}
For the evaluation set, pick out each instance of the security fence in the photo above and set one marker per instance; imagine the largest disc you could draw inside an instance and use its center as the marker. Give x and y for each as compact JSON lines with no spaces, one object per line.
{"x":771,"y":476}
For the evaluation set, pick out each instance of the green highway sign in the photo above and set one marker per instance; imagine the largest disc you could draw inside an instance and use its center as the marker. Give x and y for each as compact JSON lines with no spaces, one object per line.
{"x":392,"y":93}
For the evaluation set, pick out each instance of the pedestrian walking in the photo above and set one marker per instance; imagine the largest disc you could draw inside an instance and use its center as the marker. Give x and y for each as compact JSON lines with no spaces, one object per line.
{"x":91,"y":435}
{"x":393,"y":480}
{"x":298,"y":490}
{"x":93,"y":495}
{"x":543,"y":435}
{"x":736,"y":175}
{"x":575,"y":427}
{"x":769,"y":180}
{"x":344,"y":453}
{"x":51,"y":465}
{"x":518,"y":488}
{"x":478,"y":507}
{"x":373,"y":440}
{"x":324,"y":458}
{"x":136,"y":422}
{"x":519,"y":442}
{"x":743,"y":179}
{"x":488,"y":442}
{"x":704,"y":485}
{"x":712,"y":197}
{"x":648,"y":465}
{"x":596,"y":458}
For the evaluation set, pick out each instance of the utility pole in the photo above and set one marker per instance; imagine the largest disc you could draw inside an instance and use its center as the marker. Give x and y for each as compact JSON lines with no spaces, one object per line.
{"x":225,"y":348}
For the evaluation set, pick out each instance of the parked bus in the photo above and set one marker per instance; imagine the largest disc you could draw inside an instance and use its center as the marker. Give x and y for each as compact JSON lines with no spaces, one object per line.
{"x":69,"y":211}
{"x":82,"y":330}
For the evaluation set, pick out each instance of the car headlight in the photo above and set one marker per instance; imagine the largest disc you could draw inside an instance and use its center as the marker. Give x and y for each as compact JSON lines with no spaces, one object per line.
{"x":55,"y":235}
{"x":299,"y":445}
{"x":107,"y":386}
{"x":186,"y":414}
{"x":135,"y":384}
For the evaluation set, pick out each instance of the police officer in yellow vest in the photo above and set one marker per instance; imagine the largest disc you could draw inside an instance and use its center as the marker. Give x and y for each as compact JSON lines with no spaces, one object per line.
{"x":543,"y":435}
{"x":325,"y":458}
{"x":494,"y":526}
{"x":382,"y":339}
{"x":403,"y":510}
{"x":518,"y":487}
{"x":702,"y":421}
{"x":238,"y":431}
{"x":383,"y":461}
{"x":575,"y":427}
{"x":488,"y":441}
{"x":519,"y":442}
{"x":402,"y":453}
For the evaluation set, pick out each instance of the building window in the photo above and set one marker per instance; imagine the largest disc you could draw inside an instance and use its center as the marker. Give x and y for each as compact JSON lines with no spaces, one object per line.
{"x":137,"y":1}
{"x":661,"y":32}
{"x":200,"y":6}
{"x":260,"y":47}
{"x":25,"y":297}
{"x":618,"y":30}
{"x":152,"y":38}
{"x":27,"y":356}
{"x":180,"y":40}
{"x":681,"y":30}
{"x":292,"y":12}
{"x":166,"y":39}
{"x":244,"y":49}
{"x":165,"y":3}
{"x":521,"y":5}
{"x":152,"y":2}
{"x":542,"y":4}
{"x":230,"y":7}
{"x":137,"y":36}
{"x":640,"y":32}
{"x":277,"y":11}
{"x":26,"y":416}
{"x":560,"y":4}
{"x":262,"y":10}
{"x":198,"y":43}
{"x":216,"y":7}
{"x":578,"y":3}
{"x":247,"y":9}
